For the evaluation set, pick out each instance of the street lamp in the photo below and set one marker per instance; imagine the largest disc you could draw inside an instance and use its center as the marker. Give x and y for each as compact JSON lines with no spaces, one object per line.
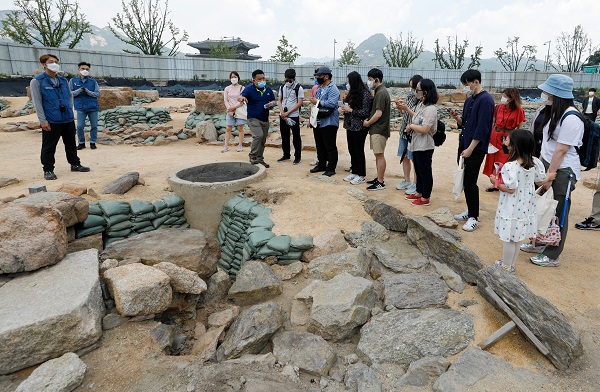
{"x":334,"y":42}
{"x":548,"y":56}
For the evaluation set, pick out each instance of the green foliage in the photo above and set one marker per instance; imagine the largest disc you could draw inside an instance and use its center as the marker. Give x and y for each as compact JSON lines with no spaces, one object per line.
{"x":512,"y":57}
{"x":143,"y":24}
{"x":35,"y":21}
{"x":349,"y":55}
{"x":453,"y":56}
{"x":222,"y":51}
{"x":285,"y":53}
{"x":401,"y":53}
{"x":594,"y":59}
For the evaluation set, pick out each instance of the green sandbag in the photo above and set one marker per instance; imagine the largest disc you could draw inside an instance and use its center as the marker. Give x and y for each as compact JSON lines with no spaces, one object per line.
{"x":186,"y":226}
{"x":240,"y":228}
{"x":302,"y":242}
{"x":227,"y":251}
{"x":177,"y":213}
{"x":180,"y":221}
{"x":87,"y":232}
{"x":141,"y":207}
{"x":171,"y":220}
{"x":140,"y":225}
{"x":148,"y":216}
{"x":227,"y":258}
{"x":146,"y":229}
{"x":114,"y":207}
{"x":173,"y":200}
{"x":113,"y":220}
{"x":280,"y":243}
{"x":281,"y":261}
{"x":120,"y":233}
{"x":163,"y":212}
{"x":262,"y":222}
{"x":291,"y":256}
{"x":233,"y":235}
{"x":255,"y":229}
{"x":159,"y":205}
{"x":246,"y":255}
{"x":122,"y":226}
{"x":259,"y":210}
{"x":93,"y":221}
{"x":223,"y":265}
{"x":94,"y":208}
{"x":259,"y":238}
{"x":231,"y":203}
{"x":235,"y":229}
{"x":244,"y":207}
{"x":159,"y":221}
{"x":265,"y":251}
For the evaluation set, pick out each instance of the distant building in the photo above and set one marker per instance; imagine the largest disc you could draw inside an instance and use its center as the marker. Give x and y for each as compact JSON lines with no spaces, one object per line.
{"x":241,"y":48}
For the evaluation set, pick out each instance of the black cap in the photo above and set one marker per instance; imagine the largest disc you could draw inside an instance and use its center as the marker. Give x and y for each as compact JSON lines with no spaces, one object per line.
{"x":323,"y":70}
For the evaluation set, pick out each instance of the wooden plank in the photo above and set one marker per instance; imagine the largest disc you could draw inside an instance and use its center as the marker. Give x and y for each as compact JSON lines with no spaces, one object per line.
{"x":499,"y":334}
{"x":540,"y":346}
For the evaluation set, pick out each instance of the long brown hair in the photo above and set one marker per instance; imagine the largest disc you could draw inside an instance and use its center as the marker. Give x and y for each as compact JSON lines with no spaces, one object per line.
{"x":515,"y":98}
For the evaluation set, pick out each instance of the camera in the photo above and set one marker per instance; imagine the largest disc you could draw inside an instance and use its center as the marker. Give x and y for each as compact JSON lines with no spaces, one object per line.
{"x":62,"y":108}
{"x":285,"y":109}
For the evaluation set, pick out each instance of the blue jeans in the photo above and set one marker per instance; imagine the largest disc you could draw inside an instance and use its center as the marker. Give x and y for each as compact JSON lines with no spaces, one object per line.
{"x":93,"y":116}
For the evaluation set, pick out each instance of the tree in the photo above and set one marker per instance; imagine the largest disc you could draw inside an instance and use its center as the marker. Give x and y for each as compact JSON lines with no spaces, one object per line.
{"x":285,"y":53}
{"x":34,"y":21}
{"x":401,"y":53}
{"x":512,"y":57}
{"x":143,"y":24}
{"x":453,"y":56}
{"x":222,"y":51}
{"x":570,"y":48}
{"x":594,"y":59}
{"x":349,"y":55}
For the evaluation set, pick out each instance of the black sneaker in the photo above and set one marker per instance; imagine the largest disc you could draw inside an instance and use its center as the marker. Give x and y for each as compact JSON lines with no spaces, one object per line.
{"x":79,"y":168}
{"x":80,"y":146}
{"x":93,"y":146}
{"x":376,"y":186}
{"x":49,"y":175}
{"x":317,"y":169}
{"x":373,"y":181}
{"x":297,"y":161}
{"x":265,"y":164}
{"x":587,"y":224}
{"x":329,"y":173}
{"x":283,"y":159}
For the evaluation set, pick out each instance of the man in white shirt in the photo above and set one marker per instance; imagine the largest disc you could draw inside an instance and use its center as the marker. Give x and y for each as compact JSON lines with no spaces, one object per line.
{"x":591,"y":105}
{"x":289,"y":99}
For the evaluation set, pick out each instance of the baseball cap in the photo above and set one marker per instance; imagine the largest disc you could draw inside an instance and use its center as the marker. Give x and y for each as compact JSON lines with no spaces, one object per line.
{"x":324,"y":70}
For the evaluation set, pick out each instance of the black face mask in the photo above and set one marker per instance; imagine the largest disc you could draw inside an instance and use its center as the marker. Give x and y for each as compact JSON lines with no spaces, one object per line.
{"x":321,"y":80}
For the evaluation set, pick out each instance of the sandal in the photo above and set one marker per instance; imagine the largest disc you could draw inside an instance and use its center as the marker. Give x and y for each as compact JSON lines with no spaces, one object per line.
{"x":492,"y":189}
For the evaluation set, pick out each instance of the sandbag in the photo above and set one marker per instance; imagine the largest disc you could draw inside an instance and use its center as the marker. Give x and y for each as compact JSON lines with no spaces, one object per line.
{"x":146,"y":229}
{"x":302,"y":242}
{"x":148,"y":216}
{"x":280,"y":243}
{"x":109,"y":241}
{"x":255,"y":229}
{"x":113,"y":220}
{"x":163,"y":212}
{"x":180,"y":221}
{"x":114,"y":207}
{"x":159,"y":221}
{"x":138,"y":207}
{"x":121,"y":226}
{"x":290,"y":256}
{"x":140,"y":225}
{"x":93,"y":221}
{"x":173,"y":200}
{"x":120,"y":233}
{"x":177,"y":213}
{"x":265,"y":251}
{"x":171,"y":220}
{"x":260,"y":238}
{"x":262,"y":221}
{"x":94,"y":208}
{"x":159,"y":205}
{"x":80,"y":233}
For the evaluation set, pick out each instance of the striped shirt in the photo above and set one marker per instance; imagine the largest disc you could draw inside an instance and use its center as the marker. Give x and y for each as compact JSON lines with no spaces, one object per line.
{"x":412,"y":102}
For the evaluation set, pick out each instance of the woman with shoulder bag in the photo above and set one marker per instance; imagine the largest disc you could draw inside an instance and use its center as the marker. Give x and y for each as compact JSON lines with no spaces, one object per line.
{"x":230,"y":96}
{"x":357,"y":107}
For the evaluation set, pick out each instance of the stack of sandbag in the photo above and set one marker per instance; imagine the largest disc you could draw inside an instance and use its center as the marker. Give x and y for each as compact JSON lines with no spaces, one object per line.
{"x":118,"y":223}
{"x":94,"y":223}
{"x":176,"y":211}
{"x":142,"y":215}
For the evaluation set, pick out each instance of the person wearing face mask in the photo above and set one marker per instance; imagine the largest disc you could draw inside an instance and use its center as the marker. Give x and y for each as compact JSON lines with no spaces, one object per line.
{"x":230,"y":96}
{"x":509,"y":115}
{"x":85,"y":92}
{"x":259,"y":98}
{"x":539,"y":120}
{"x":326,"y":97}
{"x":379,"y":126}
{"x":290,"y":98}
{"x":53,"y":104}
{"x":476,"y":123}
{"x":591,"y":105}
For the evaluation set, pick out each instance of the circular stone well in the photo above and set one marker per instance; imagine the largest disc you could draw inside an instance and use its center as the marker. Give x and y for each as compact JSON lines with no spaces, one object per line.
{"x":206,"y":188}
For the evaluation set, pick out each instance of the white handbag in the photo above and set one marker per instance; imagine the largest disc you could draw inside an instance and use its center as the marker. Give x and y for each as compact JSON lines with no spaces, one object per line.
{"x":545,"y":209}
{"x":314,"y":112}
{"x":459,"y":175}
{"x":241,"y":112}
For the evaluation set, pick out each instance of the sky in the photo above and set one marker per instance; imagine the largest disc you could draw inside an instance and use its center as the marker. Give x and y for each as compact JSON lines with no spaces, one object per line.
{"x":313,"y":25}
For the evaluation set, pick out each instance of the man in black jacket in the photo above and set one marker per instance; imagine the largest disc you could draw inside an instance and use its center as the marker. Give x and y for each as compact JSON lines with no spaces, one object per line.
{"x":591,"y":105}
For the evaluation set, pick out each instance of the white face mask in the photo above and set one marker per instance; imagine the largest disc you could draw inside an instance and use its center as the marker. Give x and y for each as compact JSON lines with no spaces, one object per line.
{"x":54,"y":67}
{"x":591,"y":93}
{"x":370,"y":83}
{"x":545,"y":99}
{"x":504,"y":100}
{"x":347,"y":87}
{"x":84,"y":72}
{"x":289,"y":84}
{"x":467,"y":88}
{"x":234,"y":80}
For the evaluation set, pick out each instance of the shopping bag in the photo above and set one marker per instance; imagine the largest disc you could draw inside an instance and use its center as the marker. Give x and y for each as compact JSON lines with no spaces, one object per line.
{"x":552,"y":236}
{"x":314,"y":112}
{"x":241,"y":112}
{"x":545,"y":209}
{"x":497,"y":174}
{"x":459,"y":176}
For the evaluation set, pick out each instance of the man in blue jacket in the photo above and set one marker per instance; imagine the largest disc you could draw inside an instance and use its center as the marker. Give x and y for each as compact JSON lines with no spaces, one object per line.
{"x":85,"y":92}
{"x":54,"y":107}
{"x":327,"y":97}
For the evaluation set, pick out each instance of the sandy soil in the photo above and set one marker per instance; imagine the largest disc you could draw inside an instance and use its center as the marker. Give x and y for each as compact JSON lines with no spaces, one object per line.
{"x":314,"y":207}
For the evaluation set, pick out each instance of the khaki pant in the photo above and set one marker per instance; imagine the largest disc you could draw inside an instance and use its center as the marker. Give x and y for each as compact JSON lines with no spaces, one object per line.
{"x":260,"y":131}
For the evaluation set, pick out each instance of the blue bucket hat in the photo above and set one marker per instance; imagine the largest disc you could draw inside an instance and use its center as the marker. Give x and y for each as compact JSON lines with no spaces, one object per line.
{"x":558,"y":85}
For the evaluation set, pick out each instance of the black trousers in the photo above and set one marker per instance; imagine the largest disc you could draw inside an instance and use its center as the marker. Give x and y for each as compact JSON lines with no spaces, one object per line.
{"x":472,"y":169}
{"x":356,"y":148}
{"x":285,"y":138}
{"x":327,"y":152}
{"x":423,"y":161}
{"x":50,"y":141}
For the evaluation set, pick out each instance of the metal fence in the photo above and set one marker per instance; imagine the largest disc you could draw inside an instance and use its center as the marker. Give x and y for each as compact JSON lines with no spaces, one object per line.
{"x":22,"y":60}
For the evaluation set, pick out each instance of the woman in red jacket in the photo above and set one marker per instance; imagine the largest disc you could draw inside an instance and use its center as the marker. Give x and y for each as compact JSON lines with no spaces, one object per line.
{"x":508,"y":116}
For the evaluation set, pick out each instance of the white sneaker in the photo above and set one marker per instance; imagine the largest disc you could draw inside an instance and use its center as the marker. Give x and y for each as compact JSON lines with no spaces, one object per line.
{"x":358,"y":180}
{"x":411,"y":189}
{"x":529,"y":248}
{"x":225,"y":149}
{"x":315,"y":162}
{"x":471,"y":224}
{"x":350,"y":177}
{"x":462,"y":216}
{"x":403,"y":185}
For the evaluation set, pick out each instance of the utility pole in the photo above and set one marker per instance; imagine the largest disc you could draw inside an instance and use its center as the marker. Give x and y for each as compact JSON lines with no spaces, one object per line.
{"x":548,"y":56}
{"x":334,"y":42}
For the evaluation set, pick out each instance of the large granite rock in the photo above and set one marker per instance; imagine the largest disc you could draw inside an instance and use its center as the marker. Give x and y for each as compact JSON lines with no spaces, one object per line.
{"x":326,"y":244}
{"x":152,"y":95}
{"x":340,"y":306}
{"x":218,"y":287}
{"x":452,"y":279}
{"x":361,"y":378}
{"x":353,"y":261}
{"x":111,"y":97}
{"x":390,"y":217}
{"x":182,"y":280}
{"x":443,"y":217}
{"x":256,"y":282}
{"x":121,"y":185}
{"x":287,"y":272}
{"x":62,"y":374}
{"x":31,"y":237}
{"x":477,"y":370}
{"x":209,"y":102}
{"x":189,"y":248}
{"x":74,"y":209}
{"x":93,"y":241}
{"x":139,"y":290}
{"x":51,"y":312}
{"x":546,"y":322}
{"x":435,"y":242}
{"x":206,"y":131}
{"x":414,"y":291}
{"x":400,"y":256}
{"x":251,"y":331}
{"x":370,"y":233}
{"x":404,"y":336}
{"x":423,"y":372}
{"x":310,"y":353}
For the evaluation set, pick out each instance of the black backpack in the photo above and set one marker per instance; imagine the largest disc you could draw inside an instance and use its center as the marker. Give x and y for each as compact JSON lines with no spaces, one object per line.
{"x":296,"y":89}
{"x":590,"y":148}
{"x":440,"y":136}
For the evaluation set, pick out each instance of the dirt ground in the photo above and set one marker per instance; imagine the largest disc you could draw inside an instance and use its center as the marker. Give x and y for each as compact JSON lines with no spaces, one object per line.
{"x":314,"y":207}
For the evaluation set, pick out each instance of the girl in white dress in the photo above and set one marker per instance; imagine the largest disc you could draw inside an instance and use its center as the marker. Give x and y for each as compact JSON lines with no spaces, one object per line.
{"x":515,"y":216}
